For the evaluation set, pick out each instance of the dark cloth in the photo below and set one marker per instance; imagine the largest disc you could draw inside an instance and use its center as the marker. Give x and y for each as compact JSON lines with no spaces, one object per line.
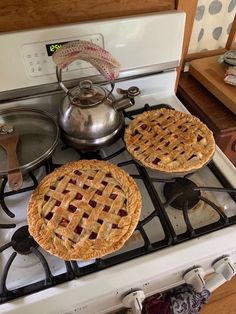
{"x":157,"y":304}
{"x":180,"y":300}
{"x":185,"y":300}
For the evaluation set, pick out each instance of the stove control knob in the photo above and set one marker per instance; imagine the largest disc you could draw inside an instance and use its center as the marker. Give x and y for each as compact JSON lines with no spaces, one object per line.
{"x":225,"y":267}
{"x":195,"y":277}
{"x":134,"y":301}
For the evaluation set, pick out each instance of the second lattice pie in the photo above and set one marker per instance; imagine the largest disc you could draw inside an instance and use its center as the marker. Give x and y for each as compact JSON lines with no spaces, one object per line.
{"x":170,"y":141}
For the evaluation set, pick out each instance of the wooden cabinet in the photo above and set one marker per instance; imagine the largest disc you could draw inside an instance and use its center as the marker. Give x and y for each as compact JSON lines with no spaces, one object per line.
{"x":201,"y":103}
{"x":211,"y":74}
{"x":18,"y":15}
{"x":222,"y":300}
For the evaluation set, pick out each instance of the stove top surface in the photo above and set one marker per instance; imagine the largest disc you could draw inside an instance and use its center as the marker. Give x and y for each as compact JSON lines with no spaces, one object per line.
{"x":174,"y":210}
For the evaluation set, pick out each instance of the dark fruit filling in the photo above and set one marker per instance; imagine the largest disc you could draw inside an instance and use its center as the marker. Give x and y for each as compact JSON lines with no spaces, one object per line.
{"x":78,"y":229}
{"x":46,"y":197}
{"x":72,"y":181}
{"x":113,"y":196}
{"x":93,"y":236}
{"x":155,"y":162}
{"x":106,"y":208}
{"x":58,"y":235}
{"x":92,"y":203}
{"x":199,"y":138}
{"x":64,"y":222}
{"x":49,"y":216}
{"x":77,"y":172}
{"x":78,"y":196}
{"x":122,"y":213}
{"x":72,"y":208}
{"x":99,"y":192}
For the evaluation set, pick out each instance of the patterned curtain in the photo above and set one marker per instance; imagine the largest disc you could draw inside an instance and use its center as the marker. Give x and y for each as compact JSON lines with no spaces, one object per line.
{"x":212,"y":24}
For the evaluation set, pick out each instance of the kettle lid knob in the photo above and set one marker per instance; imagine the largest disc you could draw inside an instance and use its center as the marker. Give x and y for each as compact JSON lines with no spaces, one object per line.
{"x":133,"y":91}
{"x":87,"y":89}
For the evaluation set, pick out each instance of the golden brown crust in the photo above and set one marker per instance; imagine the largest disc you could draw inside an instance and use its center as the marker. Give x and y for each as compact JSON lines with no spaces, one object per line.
{"x":170,"y":141}
{"x":84,"y":210}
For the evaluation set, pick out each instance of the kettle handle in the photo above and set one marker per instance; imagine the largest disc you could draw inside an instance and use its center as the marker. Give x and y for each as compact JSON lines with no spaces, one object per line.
{"x":66,"y":90}
{"x":59,"y":79}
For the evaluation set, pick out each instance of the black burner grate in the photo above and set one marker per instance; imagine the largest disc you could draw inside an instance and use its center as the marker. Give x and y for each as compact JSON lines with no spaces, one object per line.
{"x":178,"y":199}
{"x":148,"y":245}
{"x":22,"y":243}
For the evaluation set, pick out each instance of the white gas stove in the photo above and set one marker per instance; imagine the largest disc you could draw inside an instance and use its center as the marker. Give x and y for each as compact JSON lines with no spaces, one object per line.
{"x":168,"y":241}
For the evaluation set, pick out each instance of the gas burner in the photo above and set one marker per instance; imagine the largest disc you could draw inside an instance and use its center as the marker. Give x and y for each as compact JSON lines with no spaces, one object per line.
{"x":90,"y":155}
{"x":180,"y":191}
{"x":68,"y":153}
{"x":22,"y":242}
{"x":19,"y":242}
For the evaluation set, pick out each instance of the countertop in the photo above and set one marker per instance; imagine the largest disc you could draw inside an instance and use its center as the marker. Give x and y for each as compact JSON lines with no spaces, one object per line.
{"x":211,"y":74}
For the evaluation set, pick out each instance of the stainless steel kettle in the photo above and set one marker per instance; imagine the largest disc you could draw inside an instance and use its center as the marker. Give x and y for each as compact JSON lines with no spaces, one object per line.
{"x":90,"y":117}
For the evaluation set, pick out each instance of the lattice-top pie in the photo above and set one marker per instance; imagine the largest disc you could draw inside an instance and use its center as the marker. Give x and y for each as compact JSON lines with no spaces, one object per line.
{"x":84,"y":210}
{"x":170,"y":141}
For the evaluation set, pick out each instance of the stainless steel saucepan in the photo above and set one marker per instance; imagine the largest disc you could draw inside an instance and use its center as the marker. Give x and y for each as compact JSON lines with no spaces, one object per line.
{"x":27,"y":139}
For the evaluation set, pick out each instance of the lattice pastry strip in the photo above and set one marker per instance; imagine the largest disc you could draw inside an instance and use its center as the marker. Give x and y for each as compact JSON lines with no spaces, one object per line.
{"x":93,"y":215}
{"x":84,"y":210}
{"x":169,"y":141}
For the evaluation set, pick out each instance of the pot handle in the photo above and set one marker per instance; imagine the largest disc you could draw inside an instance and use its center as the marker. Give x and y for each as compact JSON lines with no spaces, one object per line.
{"x":9,"y":138}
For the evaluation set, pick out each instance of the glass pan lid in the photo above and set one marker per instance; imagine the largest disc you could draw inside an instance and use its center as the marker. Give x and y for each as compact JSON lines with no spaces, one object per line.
{"x":38,"y":137}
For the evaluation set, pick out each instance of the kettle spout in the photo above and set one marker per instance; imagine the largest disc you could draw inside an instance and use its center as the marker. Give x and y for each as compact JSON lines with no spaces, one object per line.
{"x":128,"y":98}
{"x":123,"y":103}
